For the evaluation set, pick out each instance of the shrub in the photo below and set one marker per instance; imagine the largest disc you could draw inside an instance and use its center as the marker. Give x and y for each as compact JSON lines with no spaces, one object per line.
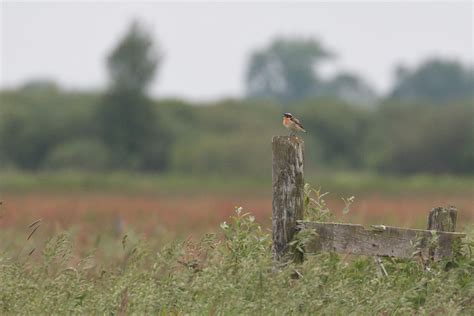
{"x":81,"y":154}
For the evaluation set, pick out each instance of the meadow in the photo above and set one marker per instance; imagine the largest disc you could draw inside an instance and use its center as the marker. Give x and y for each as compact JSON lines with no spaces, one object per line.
{"x":168,"y":209}
{"x":130,"y":243}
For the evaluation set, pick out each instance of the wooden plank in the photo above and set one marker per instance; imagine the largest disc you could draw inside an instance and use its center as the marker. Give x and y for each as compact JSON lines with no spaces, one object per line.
{"x":378,"y":240}
{"x":288,"y":193}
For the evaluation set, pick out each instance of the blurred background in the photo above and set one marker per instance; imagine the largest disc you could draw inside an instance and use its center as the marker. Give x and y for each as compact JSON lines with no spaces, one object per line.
{"x":158,"y":117}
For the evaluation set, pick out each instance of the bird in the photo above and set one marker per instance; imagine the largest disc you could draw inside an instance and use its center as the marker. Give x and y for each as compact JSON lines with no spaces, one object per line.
{"x":292,"y":123}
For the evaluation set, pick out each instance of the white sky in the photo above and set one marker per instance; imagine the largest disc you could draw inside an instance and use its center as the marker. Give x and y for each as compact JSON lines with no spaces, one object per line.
{"x":206,"y":45}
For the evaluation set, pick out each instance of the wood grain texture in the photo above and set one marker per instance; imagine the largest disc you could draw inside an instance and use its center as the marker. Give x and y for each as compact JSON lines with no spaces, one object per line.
{"x":443,"y":219}
{"x":378,"y":240}
{"x":288,"y":191}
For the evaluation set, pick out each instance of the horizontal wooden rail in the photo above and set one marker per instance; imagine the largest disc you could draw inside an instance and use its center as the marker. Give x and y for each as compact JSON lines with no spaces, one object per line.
{"x":378,"y":240}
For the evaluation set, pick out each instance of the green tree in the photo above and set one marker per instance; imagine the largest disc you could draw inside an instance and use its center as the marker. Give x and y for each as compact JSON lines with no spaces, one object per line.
{"x":41,"y":85}
{"x":134,"y":61}
{"x":285,"y":70}
{"x":435,"y":80}
{"x":34,"y":121}
{"x":335,"y":133}
{"x":349,"y":88}
{"x":129,"y":121}
{"x":410,"y":138}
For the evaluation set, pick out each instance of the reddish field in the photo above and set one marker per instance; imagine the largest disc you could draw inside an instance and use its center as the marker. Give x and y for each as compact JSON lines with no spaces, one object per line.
{"x":94,"y":211}
{"x":100,"y":220}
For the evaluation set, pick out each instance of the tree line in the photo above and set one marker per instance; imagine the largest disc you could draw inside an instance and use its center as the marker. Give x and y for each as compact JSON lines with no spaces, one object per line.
{"x":424,"y":124}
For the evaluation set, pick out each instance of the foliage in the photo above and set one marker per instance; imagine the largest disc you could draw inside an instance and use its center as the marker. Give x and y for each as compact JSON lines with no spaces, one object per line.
{"x":33,"y":122}
{"x":81,"y":154}
{"x":173,"y":183}
{"x":231,"y":137}
{"x":417,"y":138}
{"x":315,"y":207}
{"x":133,"y":62}
{"x":337,"y":132}
{"x":215,"y":154}
{"x":287,"y":71}
{"x":284,"y":70}
{"x":132,"y":129}
{"x":438,"y":81}
{"x":130,"y":126}
{"x":349,"y":88}
{"x":41,"y":85}
{"x":230,"y":273}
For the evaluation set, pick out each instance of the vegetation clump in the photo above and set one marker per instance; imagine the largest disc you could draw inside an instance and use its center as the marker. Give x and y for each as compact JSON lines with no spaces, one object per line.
{"x":229,"y":273}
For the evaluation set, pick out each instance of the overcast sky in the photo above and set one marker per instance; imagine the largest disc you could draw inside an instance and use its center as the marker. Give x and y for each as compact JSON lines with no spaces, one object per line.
{"x":206,"y":45}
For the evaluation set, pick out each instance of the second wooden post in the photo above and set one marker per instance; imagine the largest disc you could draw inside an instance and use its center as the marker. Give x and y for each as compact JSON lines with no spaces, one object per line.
{"x":288,"y":193}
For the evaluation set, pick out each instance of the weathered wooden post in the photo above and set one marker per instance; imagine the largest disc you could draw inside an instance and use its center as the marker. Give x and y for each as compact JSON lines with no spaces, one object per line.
{"x":288,"y":193}
{"x":443,"y":219}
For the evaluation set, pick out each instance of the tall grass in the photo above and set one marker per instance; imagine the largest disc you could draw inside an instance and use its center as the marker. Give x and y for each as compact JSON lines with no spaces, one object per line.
{"x":229,"y":273}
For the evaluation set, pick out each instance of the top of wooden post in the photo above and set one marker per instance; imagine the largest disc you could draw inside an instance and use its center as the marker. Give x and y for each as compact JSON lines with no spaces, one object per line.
{"x":443,"y":219}
{"x":290,"y":139}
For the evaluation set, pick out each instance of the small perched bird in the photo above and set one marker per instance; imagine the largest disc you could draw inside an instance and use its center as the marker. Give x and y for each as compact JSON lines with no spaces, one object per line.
{"x":292,"y":123}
